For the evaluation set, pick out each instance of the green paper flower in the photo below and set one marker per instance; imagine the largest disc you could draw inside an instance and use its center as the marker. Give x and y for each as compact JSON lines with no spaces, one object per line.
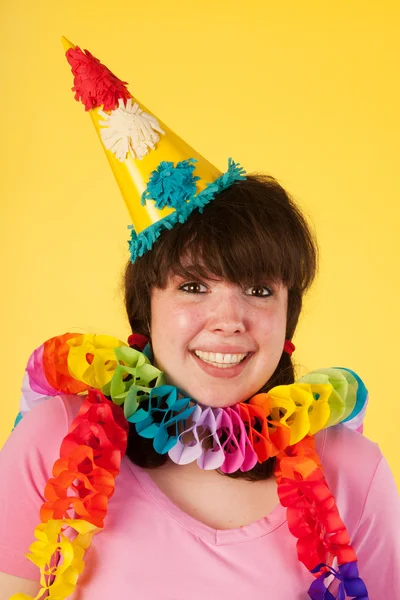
{"x":133,"y":379}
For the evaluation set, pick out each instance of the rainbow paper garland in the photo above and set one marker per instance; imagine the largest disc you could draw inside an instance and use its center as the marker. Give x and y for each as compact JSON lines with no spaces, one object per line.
{"x":280,"y":423}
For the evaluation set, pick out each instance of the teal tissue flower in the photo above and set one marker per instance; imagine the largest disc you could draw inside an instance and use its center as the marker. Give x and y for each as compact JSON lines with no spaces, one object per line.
{"x":160,"y":422}
{"x":171,"y":185}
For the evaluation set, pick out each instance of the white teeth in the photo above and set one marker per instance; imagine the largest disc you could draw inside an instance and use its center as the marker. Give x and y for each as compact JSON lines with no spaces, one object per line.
{"x":220,"y":360}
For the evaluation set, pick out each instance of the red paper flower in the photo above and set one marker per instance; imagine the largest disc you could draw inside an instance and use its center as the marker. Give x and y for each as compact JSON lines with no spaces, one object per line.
{"x":94,"y":84}
{"x":312,"y":514}
{"x":55,"y":365}
{"x":91,"y":453}
{"x":101,"y":425}
{"x":267,"y":438}
{"x":79,"y":485}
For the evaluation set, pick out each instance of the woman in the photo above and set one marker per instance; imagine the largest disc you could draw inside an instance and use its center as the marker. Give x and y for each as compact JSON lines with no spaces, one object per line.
{"x":196,"y":510}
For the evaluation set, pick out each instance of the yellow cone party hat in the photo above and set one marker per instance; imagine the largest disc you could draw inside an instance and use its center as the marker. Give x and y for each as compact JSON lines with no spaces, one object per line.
{"x":161,"y":178}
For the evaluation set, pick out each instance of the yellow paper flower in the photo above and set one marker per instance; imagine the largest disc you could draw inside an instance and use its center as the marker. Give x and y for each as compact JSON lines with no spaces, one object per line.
{"x":292,"y":403}
{"x":343,"y":391}
{"x":59,"y":580}
{"x":92,"y":359}
{"x":319,"y":410}
{"x":303,"y":407}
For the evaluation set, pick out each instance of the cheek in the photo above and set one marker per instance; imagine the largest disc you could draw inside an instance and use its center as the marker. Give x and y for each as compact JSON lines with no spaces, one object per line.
{"x":172,"y":322}
{"x":184,"y":319}
{"x":272,"y":327}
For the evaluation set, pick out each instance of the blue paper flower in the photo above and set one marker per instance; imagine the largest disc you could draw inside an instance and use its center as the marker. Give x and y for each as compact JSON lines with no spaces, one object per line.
{"x":234,"y":173}
{"x":350,"y":583}
{"x":181,"y":179}
{"x":171,"y":185}
{"x":160,"y":422}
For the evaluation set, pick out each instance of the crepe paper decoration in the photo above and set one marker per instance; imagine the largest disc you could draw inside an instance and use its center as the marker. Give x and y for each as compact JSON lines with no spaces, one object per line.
{"x":94,"y":84}
{"x":101,"y":425}
{"x":141,"y":242}
{"x":189,"y":444}
{"x":297,"y":401}
{"x":137,"y":341}
{"x":312,"y":514}
{"x":239,"y":454}
{"x":234,"y":173}
{"x":279,"y":423}
{"x":171,"y":185}
{"x":129,"y":129}
{"x":133,"y":379}
{"x":59,"y":580}
{"x":345,"y":387}
{"x":351,"y":584}
{"x":160,"y":422}
{"x":69,"y":364}
{"x":90,"y":458}
{"x":91,"y":358}
{"x":35,"y":387}
{"x":217,"y":439}
{"x":55,"y":365}
{"x":91,"y":487}
{"x":82,"y":482}
{"x":272,"y":422}
{"x":355,"y":419}
{"x":267,"y":436}
{"x":37,"y":381}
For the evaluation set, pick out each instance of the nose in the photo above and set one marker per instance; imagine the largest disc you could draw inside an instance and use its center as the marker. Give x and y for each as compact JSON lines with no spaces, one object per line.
{"x":228,"y":314}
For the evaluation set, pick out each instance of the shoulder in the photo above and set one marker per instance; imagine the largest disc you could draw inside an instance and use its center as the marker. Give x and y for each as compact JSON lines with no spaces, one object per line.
{"x":340,"y":444}
{"x":26,"y":463}
{"x":366,"y":495}
{"x":55,"y":412}
{"x":35,"y":442}
{"x":350,"y":462}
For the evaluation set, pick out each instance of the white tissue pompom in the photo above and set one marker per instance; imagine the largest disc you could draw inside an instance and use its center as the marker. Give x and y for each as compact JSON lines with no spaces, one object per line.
{"x":129,"y":129}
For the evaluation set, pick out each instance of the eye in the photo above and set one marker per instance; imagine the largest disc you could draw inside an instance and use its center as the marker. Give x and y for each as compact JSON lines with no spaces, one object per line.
{"x":193,"y":287}
{"x":259,"y":291}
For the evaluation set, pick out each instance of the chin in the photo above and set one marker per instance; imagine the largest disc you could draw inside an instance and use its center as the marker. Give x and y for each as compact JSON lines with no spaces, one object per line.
{"x":218,"y":399}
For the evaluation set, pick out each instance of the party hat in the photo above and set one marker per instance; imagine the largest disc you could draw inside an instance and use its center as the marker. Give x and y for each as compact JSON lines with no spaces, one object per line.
{"x":161,"y":178}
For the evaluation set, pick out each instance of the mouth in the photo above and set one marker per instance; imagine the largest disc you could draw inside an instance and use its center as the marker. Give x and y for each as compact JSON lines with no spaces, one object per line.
{"x":221,"y":365}
{"x":223,"y":361}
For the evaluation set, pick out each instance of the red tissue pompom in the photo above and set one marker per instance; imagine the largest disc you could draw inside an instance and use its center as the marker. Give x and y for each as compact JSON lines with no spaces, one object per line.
{"x":137,"y":340}
{"x":94,"y":84}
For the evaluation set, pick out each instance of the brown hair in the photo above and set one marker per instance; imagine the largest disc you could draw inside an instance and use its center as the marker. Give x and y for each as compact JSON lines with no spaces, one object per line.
{"x":250,"y":232}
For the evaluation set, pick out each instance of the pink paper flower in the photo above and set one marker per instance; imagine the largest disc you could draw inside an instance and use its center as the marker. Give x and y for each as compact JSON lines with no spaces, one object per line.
{"x":94,"y":84}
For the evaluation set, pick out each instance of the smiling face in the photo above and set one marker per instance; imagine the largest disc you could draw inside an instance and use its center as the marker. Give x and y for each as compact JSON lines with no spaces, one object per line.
{"x":190,"y":287}
{"x":219,"y":342}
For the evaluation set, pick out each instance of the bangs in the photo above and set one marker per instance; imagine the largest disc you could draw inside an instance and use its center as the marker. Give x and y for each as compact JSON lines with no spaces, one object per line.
{"x":251,"y":234}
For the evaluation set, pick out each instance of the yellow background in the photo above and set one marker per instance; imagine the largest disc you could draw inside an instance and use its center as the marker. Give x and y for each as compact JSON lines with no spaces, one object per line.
{"x":307,"y":91}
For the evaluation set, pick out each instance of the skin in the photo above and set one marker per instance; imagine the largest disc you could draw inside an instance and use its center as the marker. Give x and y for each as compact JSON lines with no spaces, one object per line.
{"x":218,"y":316}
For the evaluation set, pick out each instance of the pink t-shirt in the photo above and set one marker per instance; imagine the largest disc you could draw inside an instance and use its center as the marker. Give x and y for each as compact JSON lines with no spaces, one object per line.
{"x":150,"y":549}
